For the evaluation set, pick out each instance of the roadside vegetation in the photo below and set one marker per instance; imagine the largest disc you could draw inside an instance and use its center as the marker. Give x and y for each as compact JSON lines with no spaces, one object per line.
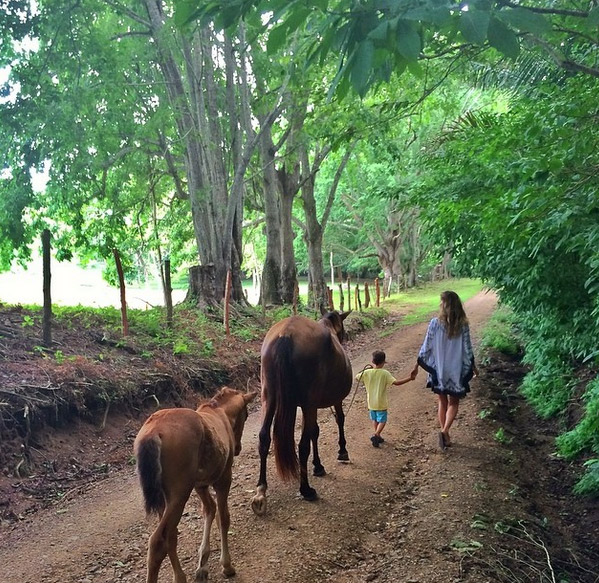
{"x":557,"y":390}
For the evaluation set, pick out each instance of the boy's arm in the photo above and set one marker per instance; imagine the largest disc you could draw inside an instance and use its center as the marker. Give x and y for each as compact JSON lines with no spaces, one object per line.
{"x":403,"y":381}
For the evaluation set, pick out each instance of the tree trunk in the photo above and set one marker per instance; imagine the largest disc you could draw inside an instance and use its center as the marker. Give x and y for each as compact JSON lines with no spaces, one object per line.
{"x":270,"y":291}
{"x":208,"y":115}
{"x":317,"y":293}
{"x":202,"y":286}
{"x":314,"y":229}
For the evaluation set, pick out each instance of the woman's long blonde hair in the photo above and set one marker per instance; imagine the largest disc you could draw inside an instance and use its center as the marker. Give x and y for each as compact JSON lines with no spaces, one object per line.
{"x":452,"y":314}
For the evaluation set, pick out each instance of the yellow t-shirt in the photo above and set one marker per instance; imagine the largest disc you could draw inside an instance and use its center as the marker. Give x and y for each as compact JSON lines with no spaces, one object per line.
{"x":377,"y":381}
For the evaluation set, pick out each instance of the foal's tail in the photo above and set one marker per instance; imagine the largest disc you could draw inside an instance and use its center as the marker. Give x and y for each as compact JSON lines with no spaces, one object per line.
{"x":283,"y":388}
{"x":149,"y":471}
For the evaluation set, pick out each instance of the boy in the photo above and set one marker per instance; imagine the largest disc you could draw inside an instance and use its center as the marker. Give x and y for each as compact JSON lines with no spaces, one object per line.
{"x":377,"y":381}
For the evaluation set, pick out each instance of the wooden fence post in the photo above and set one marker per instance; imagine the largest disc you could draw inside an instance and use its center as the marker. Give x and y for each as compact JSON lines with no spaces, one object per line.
{"x":227,"y":302}
{"x":377,"y":286}
{"x":168,"y":293}
{"x":119,"y":270}
{"x":349,"y":292}
{"x":295,"y":297}
{"x":47,"y":276}
{"x":341,"y":299}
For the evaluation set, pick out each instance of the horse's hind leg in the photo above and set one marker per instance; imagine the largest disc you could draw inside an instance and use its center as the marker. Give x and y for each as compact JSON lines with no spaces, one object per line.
{"x":318,"y":467}
{"x":209,"y":511}
{"x":342,"y":456}
{"x":309,"y":432}
{"x":222,"y":494}
{"x":163,"y":541}
{"x":264,"y":440}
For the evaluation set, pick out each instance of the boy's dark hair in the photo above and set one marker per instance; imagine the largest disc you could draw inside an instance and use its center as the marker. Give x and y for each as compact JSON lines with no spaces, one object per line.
{"x":378,"y":357}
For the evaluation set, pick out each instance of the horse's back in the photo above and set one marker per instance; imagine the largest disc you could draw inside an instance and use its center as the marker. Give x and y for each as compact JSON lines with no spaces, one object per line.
{"x":194,"y":448}
{"x":319,"y":371}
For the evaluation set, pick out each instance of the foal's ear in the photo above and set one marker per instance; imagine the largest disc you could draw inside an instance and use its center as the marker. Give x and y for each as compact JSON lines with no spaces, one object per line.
{"x":345,"y":314}
{"x":249,"y":397}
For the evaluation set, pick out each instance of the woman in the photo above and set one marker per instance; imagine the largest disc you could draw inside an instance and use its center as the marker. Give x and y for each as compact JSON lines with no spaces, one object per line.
{"x":446,"y":355}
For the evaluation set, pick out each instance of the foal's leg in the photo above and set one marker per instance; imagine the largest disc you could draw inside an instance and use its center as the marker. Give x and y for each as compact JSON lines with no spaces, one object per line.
{"x":222,"y":494}
{"x":164,"y":540}
{"x":318,"y":467}
{"x":308,"y":431}
{"x":209,"y":510}
{"x":342,"y":456}
{"x":264,"y":440}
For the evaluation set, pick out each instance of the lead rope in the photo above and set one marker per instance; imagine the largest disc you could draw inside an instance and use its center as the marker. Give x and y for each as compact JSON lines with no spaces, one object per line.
{"x":358,"y":383}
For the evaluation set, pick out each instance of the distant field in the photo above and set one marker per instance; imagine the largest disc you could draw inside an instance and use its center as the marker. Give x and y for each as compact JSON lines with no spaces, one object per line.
{"x":73,"y":285}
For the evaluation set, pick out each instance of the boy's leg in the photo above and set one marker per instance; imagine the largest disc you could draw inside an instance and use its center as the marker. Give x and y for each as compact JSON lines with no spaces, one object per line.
{"x":382,"y":421}
{"x":373,"y":417}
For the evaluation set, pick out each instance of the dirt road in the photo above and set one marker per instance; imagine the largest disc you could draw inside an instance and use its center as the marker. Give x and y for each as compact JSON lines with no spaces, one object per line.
{"x":392,"y":514}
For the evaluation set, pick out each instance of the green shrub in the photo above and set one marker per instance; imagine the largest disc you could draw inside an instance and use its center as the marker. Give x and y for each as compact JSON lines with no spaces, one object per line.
{"x":547,"y":388}
{"x":585,"y":436}
{"x":589,"y":483}
{"x":500,"y":332}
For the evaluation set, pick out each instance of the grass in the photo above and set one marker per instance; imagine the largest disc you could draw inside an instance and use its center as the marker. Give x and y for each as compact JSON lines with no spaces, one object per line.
{"x":500,"y":333}
{"x":418,"y":304}
{"x":195,"y":333}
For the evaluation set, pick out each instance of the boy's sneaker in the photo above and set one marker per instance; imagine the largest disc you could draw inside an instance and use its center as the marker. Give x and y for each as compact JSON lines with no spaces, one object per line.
{"x":375,"y":441}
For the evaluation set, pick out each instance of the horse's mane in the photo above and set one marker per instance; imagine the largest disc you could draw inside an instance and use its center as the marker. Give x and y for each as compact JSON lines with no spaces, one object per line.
{"x":217,"y":400}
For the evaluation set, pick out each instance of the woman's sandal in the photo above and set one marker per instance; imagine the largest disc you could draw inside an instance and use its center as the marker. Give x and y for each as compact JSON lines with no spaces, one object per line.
{"x":442,"y":444}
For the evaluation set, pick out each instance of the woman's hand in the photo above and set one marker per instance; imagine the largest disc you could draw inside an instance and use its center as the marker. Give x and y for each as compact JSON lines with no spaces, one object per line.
{"x":414,"y":372}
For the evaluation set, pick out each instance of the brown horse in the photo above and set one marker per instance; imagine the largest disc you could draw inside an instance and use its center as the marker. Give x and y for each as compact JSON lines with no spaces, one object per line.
{"x":179,"y":450}
{"x":302,"y":365}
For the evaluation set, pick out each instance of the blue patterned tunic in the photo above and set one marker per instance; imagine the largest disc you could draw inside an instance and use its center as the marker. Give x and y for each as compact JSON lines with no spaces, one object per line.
{"x":449,"y":362}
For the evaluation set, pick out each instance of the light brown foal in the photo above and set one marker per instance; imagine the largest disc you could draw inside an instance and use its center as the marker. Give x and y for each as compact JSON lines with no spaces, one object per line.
{"x":179,"y":450}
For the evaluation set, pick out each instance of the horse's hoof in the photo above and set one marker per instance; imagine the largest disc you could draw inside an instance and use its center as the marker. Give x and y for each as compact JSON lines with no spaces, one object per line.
{"x":259,"y":505}
{"x":319,"y":471}
{"x":201,"y":576}
{"x":343,"y":457}
{"x":228,"y":571}
{"x":309,"y":494}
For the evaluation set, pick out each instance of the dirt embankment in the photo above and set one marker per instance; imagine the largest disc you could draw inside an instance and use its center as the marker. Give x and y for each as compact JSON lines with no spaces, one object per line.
{"x":484,"y":510}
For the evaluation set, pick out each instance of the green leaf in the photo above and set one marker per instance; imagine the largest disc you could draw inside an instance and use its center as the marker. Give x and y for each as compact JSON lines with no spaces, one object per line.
{"x":593,"y":17}
{"x":525,"y":20}
{"x":503,"y":39}
{"x":185,"y":11}
{"x":296,"y":18}
{"x":276,"y":38}
{"x":361,"y":67}
{"x":438,"y":15}
{"x":380,"y":32}
{"x":409,"y":44}
{"x":474,"y":25}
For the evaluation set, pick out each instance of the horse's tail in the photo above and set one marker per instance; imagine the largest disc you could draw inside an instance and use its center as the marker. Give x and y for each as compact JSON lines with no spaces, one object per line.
{"x":283,"y":388}
{"x":149,"y":470}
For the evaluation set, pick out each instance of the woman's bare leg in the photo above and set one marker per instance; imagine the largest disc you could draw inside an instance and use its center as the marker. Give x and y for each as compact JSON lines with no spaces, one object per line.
{"x":450,"y":415}
{"x":442,"y":410}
